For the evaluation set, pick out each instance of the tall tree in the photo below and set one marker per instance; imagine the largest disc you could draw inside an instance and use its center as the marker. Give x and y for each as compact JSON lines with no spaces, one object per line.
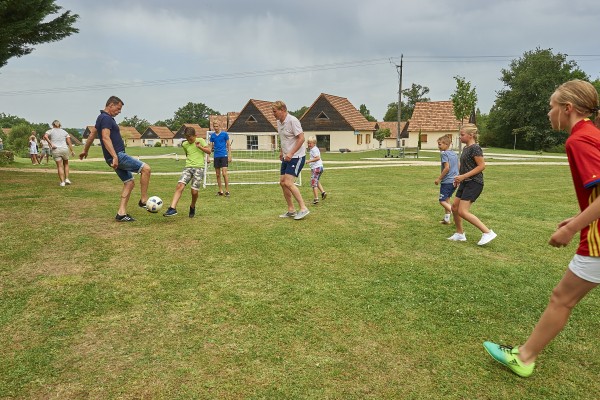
{"x":381,"y":134}
{"x":25,"y":23}
{"x":413,"y":95}
{"x":299,"y":112}
{"x":192,"y":113}
{"x":463,"y":99}
{"x":140,"y":124}
{"x":521,"y":107}
{"x":366,"y":113}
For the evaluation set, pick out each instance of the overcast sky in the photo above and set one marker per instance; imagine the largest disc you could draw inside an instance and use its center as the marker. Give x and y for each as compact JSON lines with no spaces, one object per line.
{"x":159,"y":55}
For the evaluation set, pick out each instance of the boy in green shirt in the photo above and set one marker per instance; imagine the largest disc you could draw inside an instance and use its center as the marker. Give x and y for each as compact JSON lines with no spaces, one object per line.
{"x":194,"y":149}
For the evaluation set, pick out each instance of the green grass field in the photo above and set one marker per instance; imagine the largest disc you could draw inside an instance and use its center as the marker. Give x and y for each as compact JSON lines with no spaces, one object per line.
{"x":365,"y":299}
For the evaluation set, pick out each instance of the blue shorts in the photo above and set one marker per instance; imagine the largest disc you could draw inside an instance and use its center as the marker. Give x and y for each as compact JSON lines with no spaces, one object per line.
{"x":292,"y":167}
{"x":127,"y":165}
{"x":446,"y":190}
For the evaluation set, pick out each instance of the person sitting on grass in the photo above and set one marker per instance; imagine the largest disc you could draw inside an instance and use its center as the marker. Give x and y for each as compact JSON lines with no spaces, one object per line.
{"x":570,"y":106}
{"x":195,"y":149}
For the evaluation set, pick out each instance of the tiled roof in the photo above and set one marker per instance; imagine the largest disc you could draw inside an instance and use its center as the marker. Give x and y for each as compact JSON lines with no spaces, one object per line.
{"x":266,"y":109}
{"x":222,"y":119}
{"x":200,"y":131}
{"x":356,"y":120}
{"x":129,"y":132}
{"x":433,"y":116}
{"x":392,"y":126}
{"x":231,"y":117}
{"x":161,"y":131}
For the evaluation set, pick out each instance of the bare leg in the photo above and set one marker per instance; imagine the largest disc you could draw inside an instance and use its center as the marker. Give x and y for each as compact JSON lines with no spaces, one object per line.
{"x":218,"y":172}
{"x":565,"y":296}
{"x":144,"y":182}
{"x":177,"y":194}
{"x":447,"y":206}
{"x":455,"y":214}
{"x":315,"y":192}
{"x":225,"y":178}
{"x":463,"y":211}
{"x":61,"y":171}
{"x":194,"y":198}
{"x":66,"y":168}
{"x":125,"y":194}
{"x":289,"y":190}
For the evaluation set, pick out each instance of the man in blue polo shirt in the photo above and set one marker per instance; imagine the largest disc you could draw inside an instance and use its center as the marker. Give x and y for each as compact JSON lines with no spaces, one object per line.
{"x":113,"y":148}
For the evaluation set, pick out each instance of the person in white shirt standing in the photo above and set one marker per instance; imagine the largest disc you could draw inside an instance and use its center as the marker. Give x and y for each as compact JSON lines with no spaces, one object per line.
{"x":60,"y":143}
{"x":45,"y":148}
{"x":292,"y":154}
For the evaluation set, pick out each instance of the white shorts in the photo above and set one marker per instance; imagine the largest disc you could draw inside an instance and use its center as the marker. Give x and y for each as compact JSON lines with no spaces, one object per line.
{"x":585,"y":267}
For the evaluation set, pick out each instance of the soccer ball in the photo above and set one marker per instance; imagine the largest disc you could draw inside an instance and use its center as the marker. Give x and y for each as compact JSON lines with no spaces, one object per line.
{"x":154,"y":204}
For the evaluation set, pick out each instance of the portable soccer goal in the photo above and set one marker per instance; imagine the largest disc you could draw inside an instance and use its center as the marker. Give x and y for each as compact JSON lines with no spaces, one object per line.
{"x":255,"y":160}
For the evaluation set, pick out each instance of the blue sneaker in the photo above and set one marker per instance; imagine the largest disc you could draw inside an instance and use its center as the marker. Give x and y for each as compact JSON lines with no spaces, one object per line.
{"x":508,"y":356}
{"x":170,"y":212}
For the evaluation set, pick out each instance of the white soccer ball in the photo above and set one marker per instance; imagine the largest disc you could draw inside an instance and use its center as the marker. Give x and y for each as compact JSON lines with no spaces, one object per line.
{"x":154,"y":204}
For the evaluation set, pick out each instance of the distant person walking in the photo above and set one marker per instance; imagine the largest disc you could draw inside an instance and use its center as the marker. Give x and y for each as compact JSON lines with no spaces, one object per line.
{"x":292,"y":155}
{"x":113,"y":148}
{"x":570,"y":106}
{"x":45,"y":148}
{"x":60,"y":142}
{"x":33,"y":149}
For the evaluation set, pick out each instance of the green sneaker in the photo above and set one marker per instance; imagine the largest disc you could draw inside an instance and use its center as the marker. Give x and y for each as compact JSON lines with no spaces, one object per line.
{"x":507,"y":356}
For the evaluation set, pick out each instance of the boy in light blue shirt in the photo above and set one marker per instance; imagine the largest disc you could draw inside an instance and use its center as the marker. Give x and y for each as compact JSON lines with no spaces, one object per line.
{"x":449,"y":166}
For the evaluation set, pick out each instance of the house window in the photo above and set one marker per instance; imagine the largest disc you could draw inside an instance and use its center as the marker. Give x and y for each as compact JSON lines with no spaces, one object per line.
{"x":368,"y":138}
{"x":358,"y":139}
{"x":251,"y":120}
{"x":322,"y":117}
{"x":252,"y":142}
{"x":403,"y":142}
{"x":424,"y":138}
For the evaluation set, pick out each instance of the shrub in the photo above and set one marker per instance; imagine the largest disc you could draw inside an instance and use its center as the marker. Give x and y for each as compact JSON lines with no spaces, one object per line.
{"x":157,"y":144}
{"x":6,"y":157}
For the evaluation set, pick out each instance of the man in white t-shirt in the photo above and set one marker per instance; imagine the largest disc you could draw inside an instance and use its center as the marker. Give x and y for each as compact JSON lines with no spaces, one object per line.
{"x":292,"y":155}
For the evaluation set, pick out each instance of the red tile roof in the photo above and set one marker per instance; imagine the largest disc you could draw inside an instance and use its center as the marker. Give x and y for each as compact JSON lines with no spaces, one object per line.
{"x":392,"y":126}
{"x":266,"y":109}
{"x":356,"y":120}
{"x":129,"y":132}
{"x":433,"y":116}
{"x":161,"y":131}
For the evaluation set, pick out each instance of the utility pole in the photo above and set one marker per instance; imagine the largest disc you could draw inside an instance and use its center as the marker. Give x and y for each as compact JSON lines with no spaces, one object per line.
{"x":399,"y":69}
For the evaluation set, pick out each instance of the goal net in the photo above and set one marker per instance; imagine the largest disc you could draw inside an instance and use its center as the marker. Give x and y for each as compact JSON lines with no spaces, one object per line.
{"x":254,"y":160}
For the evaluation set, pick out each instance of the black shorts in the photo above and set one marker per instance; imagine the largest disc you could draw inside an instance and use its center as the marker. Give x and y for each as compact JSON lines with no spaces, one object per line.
{"x":469,"y":190}
{"x":221,"y":162}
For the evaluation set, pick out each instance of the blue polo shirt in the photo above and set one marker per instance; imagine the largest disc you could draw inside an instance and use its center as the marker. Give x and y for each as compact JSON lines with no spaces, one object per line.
{"x":105,"y":121}
{"x":220,"y":142}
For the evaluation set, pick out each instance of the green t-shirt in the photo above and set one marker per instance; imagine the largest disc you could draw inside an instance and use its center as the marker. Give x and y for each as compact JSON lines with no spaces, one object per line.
{"x":194,"y":157}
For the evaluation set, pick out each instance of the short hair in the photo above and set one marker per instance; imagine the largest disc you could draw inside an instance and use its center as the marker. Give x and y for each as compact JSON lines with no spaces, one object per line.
{"x":56,"y":123}
{"x":446,"y":139}
{"x":470,"y":129}
{"x":311,"y":139}
{"x":189,"y":131}
{"x":582,"y":95}
{"x":114,"y":100}
{"x":279,"y":105}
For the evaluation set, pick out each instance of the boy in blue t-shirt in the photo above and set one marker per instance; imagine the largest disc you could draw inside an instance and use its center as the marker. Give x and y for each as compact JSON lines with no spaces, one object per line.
{"x":449,"y":161}
{"x":221,"y":146}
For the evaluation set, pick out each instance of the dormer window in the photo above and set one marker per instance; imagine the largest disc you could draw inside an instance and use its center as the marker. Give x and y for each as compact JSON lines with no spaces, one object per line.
{"x":251,"y":120}
{"x":322,"y":117}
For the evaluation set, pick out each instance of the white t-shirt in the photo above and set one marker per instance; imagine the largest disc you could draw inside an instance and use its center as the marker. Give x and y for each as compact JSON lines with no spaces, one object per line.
{"x":288,"y":131}
{"x":58,"y":137}
{"x":315,"y":152}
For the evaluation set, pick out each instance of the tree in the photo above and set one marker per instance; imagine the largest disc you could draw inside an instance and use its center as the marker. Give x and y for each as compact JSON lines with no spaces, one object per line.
{"x":25,"y":23}
{"x":8,"y":121}
{"x":18,"y":140}
{"x":381,"y":134}
{"x":366,"y":113}
{"x":521,"y":107}
{"x":299,"y":112}
{"x":463,"y":99}
{"x":413,"y":95}
{"x":140,"y":124}
{"x":74,"y":132}
{"x":192,"y":113}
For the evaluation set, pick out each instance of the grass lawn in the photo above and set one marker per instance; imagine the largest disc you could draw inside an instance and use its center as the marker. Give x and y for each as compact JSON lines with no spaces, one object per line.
{"x":365,"y":299}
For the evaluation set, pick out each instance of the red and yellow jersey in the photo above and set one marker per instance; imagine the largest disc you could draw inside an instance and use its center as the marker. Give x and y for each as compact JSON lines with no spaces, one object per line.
{"x":583,"y":151}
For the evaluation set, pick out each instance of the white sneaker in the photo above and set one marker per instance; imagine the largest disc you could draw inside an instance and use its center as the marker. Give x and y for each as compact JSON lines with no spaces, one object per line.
{"x":61,"y":184}
{"x":487,"y":237}
{"x":301,"y":214}
{"x":458,"y":237}
{"x":68,"y":182}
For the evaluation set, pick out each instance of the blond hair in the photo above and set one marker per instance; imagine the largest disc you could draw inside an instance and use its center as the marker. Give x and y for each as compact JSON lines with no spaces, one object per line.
{"x":446,"y":139}
{"x":470,"y":129}
{"x":582,"y":95}
{"x":56,"y":123}
{"x":312,"y":139}
{"x":279,"y":105}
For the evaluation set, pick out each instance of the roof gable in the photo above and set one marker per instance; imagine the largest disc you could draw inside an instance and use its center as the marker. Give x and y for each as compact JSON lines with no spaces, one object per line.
{"x":256,"y":116}
{"x":157,"y":132}
{"x":334,"y":113}
{"x":129,"y":132}
{"x":434,"y":116}
{"x":200,"y":131}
